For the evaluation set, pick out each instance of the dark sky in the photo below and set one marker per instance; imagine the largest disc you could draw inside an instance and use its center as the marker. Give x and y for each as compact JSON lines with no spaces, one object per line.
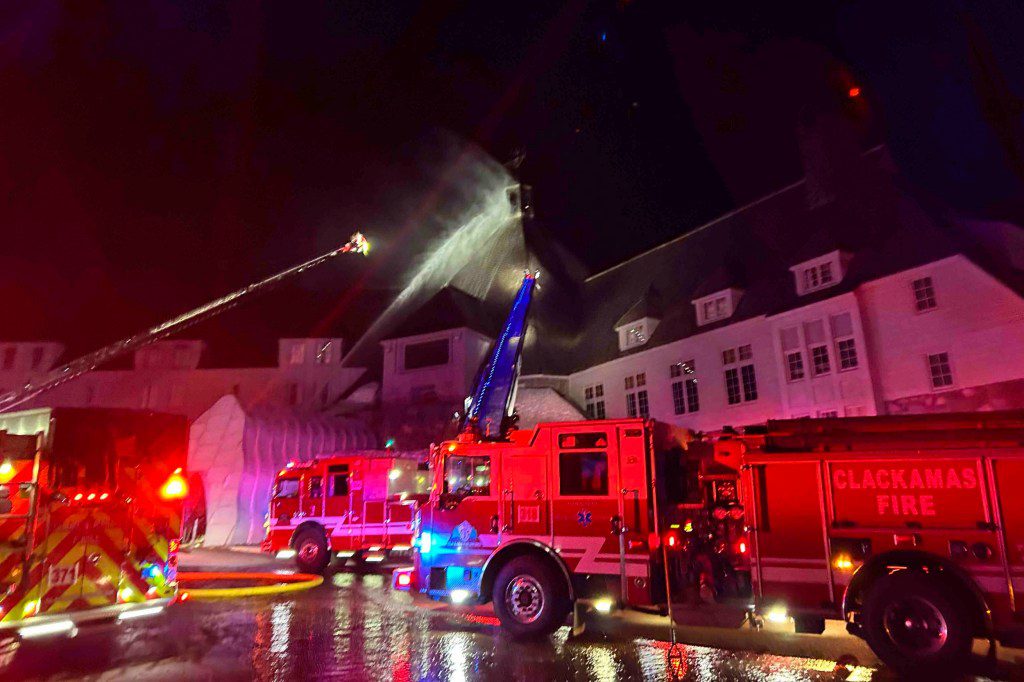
{"x":156,"y":154}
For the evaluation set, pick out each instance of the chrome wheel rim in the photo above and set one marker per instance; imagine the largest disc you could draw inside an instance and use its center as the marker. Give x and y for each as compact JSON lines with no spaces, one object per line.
{"x":915,"y":626}
{"x":524,"y":598}
{"x":309,"y":551}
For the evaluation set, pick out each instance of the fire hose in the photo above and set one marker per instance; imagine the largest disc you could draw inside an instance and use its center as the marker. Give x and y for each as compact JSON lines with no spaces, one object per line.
{"x":280,"y":584}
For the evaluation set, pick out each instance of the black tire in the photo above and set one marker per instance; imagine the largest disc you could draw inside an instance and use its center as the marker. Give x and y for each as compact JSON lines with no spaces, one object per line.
{"x":918,"y":624}
{"x":531,"y":597}
{"x":311,"y":552}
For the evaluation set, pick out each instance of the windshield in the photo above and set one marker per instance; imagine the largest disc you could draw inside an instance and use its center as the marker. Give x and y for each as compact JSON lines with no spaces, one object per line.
{"x":467,"y":476}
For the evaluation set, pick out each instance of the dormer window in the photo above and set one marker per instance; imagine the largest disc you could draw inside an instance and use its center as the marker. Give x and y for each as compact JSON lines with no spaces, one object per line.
{"x":717,"y":306}
{"x":635,"y":334}
{"x":820,"y":273}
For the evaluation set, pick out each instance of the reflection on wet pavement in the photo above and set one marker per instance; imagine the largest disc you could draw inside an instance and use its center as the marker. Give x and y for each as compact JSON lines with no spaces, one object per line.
{"x":354,"y":628}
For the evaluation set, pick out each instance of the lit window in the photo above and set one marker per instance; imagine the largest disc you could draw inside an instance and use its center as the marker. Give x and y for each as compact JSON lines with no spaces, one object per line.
{"x":924,"y":294}
{"x":847,"y":354}
{"x":941,"y":372}
{"x":819,"y":360}
{"x":795,"y":366}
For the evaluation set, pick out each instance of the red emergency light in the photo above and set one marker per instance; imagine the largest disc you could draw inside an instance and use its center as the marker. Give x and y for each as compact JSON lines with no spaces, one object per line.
{"x":175,"y":487}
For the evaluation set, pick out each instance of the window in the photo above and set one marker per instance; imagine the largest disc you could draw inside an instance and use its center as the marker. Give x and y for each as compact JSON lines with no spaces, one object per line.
{"x":9,"y":354}
{"x":636,"y":401}
{"x":847,"y":354}
{"x":316,"y":487}
{"x":426,"y":354}
{"x":715,"y":309}
{"x":692,"y":397}
{"x":732,"y":386}
{"x":678,"y":398}
{"x":636,"y":336}
{"x":924,"y":294}
{"x":467,"y":475}
{"x":287,"y":487}
{"x":817,"y":277}
{"x":583,"y":441}
{"x":795,"y":366}
{"x":741,"y":380}
{"x":642,"y":406}
{"x":941,"y":372}
{"x":297,"y":355}
{"x":338,"y":477}
{"x":593,"y":400}
{"x":37,"y":357}
{"x":819,"y":360}
{"x":583,"y":473}
{"x":749,"y":382}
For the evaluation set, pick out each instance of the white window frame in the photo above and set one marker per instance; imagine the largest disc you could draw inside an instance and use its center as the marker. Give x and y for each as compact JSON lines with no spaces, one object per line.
{"x":931,"y":375}
{"x":731,"y":360}
{"x":930,"y":287}
{"x":717,"y":306}
{"x":808,"y":275}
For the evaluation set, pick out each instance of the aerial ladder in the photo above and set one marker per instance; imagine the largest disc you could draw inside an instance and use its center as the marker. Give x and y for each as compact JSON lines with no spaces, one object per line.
{"x":87,"y":363}
{"x":491,"y":410}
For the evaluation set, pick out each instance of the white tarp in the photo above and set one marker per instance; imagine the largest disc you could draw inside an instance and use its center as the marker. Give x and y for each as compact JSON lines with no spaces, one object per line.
{"x":237,"y":453}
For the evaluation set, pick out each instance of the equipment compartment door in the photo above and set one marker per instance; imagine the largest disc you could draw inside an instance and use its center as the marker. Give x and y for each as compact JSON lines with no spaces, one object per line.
{"x":525,"y":493}
{"x":62,"y":572}
{"x":791,"y":560}
{"x":106,"y":548}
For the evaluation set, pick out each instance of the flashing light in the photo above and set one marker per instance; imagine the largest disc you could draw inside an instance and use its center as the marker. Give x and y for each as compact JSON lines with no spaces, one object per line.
{"x":404,"y":579}
{"x":6,"y":471}
{"x":604,"y":605}
{"x":285,"y":554}
{"x":175,"y":487}
{"x":671,"y":541}
{"x":459,"y":596}
{"x":104,"y":496}
{"x":184,"y":596}
{"x":290,"y":464}
{"x":394,"y":474}
{"x":742,"y":546}
{"x":126,"y":594}
{"x":78,"y":497}
{"x":173,"y":545}
{"x":139,"y":613}
{"x":688,"y":526}
{"x":374,"y":558}
{"x":31,"y":609}
{"x":44,"y":629}
{"x":151,"y":572}
{"x":389,"y":443}
{"x":853,"y":92}
{"x":375,"y":548}
{"x":777,"y":614}
{"x":451,"y":447}
{"x":91,"y":497}
{"x":425,"y":541}
{"x":843,"y":563}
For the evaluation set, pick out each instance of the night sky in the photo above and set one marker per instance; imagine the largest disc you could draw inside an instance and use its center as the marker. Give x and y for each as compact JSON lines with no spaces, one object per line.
{"x":156,"y":154}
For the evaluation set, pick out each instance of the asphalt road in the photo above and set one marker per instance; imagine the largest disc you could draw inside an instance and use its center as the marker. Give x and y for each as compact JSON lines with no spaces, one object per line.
{"x":354,"y":627}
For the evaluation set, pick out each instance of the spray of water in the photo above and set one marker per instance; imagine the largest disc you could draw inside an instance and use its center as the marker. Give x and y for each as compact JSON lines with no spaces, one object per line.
{"x":483,"y":254}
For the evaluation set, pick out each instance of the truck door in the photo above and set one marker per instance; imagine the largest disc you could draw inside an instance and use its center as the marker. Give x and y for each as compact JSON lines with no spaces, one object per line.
{"x":524,"y":490}
{"x":66,"y":526}
{"x":336,"y":507}
{"x":634,"y":502}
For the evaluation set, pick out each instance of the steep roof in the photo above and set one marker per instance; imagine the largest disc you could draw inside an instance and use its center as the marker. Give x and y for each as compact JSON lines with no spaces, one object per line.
{"x":881,"y":225}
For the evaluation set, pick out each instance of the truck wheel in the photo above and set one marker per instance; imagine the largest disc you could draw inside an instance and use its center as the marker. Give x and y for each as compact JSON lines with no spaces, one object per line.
{"x":530,"y":597}
{"x":916,"y":625}
{"x":311,"y":553}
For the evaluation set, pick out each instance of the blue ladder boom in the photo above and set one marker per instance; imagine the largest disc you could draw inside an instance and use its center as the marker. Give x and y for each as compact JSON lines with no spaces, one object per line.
{"x":493,"y":396}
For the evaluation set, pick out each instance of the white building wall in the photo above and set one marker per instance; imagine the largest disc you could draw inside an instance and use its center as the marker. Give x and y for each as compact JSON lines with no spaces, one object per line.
{"x":978,"y":320}
{"x":706,"y":352}
{"x":846,"y":392}
{"x":452,"y":379}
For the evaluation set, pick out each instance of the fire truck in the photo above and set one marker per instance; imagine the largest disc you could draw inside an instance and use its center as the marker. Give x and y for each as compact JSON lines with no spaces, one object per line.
{"x":905,"y":527}
{"x":90,"y":514}
{"x":358,"y":506}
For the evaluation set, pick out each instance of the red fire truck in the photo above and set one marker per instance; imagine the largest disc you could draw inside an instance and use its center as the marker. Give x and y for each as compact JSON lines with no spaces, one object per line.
{"x":90,"y":514}
{"x":352,"y":506}
{"x":903,"y":526}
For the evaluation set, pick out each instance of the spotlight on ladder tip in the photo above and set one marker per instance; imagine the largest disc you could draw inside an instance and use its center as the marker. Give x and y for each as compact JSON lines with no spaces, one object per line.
{"x":356,"y":244}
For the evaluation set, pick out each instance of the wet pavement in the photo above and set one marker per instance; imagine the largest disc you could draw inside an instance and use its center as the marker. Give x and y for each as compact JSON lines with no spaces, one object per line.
{"x":354,"y":627}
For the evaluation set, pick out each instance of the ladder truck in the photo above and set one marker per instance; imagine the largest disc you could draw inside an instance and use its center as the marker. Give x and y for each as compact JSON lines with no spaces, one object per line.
{"x":91,"y":499}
